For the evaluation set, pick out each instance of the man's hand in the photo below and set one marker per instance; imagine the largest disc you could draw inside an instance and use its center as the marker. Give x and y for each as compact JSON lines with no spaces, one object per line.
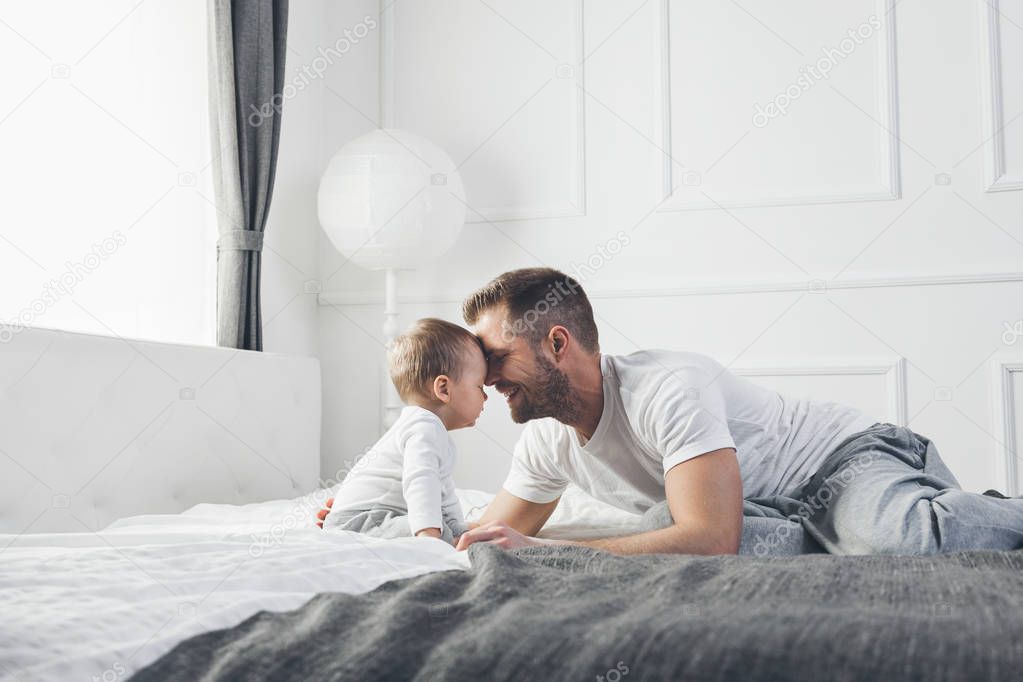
{"x":322,"y":514}
{"x":508,"y":522}
{"x":497,"y":533}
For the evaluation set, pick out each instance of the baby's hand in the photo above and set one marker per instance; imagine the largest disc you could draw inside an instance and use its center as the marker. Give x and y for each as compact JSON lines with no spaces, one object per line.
{"x":321,"y":515}
{"x":429,"y":532}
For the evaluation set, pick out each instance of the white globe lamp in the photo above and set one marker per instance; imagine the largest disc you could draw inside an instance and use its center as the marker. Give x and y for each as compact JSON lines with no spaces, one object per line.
{"x":390,"y":200}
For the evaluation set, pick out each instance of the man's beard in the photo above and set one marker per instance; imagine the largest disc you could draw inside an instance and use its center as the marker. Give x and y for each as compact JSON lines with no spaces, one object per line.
{"x":549,"y":395}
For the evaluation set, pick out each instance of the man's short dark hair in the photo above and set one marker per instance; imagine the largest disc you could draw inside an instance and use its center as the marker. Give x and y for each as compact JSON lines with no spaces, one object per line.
{"x":536,"y":299}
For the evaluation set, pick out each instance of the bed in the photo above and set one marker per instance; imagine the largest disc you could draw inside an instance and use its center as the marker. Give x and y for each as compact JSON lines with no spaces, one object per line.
{"x":109,"y":603}
{"x":568,"y":612}
{"x":256,"y":591}
{"x":150,"y":492}
{"x":156,"y":522}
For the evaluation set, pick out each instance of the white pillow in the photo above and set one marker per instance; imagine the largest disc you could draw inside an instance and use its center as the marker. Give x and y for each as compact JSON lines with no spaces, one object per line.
{"x":577,"y":517}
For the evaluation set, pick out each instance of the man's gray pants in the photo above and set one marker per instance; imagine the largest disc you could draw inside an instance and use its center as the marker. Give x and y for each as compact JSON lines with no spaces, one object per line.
{"x":884,"y":490}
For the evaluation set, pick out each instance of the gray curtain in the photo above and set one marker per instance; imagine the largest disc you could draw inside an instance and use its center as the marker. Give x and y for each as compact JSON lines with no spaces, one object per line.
{"x":246,"y":49}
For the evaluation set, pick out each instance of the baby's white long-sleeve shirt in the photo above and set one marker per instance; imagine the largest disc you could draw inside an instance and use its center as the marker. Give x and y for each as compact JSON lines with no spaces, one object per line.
{"x":409,"y":469}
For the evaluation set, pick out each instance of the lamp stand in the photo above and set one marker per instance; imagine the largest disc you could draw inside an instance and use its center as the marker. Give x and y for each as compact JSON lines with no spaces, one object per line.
{"x":392,"y":404}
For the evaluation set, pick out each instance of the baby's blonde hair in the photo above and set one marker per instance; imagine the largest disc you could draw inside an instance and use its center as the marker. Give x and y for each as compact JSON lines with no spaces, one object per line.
{"x":427,"y":349}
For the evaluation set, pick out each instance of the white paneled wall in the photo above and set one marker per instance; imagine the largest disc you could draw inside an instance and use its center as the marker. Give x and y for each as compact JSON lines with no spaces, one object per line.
{"x":535,"y":88}
{"x":865,"y":245}
{"x":290,"y":266}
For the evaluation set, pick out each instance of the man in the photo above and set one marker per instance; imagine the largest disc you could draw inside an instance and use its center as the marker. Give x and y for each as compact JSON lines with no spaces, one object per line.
{"x":678,"y":434}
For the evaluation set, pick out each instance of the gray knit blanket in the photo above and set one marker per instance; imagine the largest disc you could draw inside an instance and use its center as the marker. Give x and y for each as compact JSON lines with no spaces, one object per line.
{"x":571,"y":613}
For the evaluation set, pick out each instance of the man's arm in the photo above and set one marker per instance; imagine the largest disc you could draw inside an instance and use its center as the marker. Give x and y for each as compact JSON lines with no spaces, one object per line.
{"x":705,"y":498}
{"x":523,"y":516}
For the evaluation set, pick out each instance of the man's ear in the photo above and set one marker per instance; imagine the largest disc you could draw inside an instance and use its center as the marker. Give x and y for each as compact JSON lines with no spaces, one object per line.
{"x":560,"y":339}
{"x":442,"y":388}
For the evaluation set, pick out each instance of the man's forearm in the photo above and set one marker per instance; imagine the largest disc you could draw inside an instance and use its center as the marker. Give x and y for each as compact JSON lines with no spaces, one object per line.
{"x":671,"y":540}
{"x":525,"y":517}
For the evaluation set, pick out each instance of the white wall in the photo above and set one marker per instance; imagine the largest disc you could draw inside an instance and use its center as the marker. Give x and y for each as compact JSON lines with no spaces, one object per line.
{"x":290,"y":267}
{"x":851,"y":246}
{"x":351,"y":107}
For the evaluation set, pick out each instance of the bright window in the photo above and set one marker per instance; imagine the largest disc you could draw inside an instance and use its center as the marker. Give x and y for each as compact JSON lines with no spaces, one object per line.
{"x":107,"y":220}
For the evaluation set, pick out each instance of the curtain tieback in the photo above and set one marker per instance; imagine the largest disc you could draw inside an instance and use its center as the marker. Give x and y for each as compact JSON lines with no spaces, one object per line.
{"x":240,"y":240}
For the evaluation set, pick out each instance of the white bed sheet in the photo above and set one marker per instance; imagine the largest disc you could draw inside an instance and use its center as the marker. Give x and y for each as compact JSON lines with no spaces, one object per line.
{"x":102,"y":605}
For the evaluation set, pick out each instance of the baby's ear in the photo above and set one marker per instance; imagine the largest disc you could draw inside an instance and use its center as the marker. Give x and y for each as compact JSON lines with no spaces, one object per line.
{"x":442,"y":388}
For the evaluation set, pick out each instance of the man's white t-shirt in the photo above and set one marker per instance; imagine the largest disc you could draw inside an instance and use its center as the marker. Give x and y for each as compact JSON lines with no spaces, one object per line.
{"x":408,"y":470}
{"x":662,"y":408}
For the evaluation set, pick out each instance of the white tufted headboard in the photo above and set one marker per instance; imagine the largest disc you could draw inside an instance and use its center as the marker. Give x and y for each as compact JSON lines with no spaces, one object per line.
{"x":95,"y":428}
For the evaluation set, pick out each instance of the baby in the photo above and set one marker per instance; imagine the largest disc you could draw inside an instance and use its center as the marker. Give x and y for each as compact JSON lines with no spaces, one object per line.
{"x":403,"y":485}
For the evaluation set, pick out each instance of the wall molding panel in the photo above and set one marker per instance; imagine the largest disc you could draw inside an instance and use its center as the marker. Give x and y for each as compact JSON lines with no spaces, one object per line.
{"x":889,"y":182}
{"x":996,"y":177}
{"x":1004,"y":403}
{"x":711,"y":289}
{"x":893,"y":370}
